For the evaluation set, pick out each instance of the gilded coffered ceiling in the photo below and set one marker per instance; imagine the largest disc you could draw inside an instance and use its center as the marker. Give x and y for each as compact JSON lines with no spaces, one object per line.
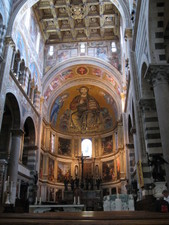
{"x":77,"y":20}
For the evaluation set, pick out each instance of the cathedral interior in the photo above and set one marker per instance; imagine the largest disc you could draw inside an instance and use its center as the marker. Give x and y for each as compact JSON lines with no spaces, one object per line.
{"x":84,"y":87}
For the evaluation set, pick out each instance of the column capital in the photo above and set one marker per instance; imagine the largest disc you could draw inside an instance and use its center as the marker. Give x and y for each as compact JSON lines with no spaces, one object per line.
{"x":157,"y":74}
{"x":147,"y":104}
{"x":9,"y":41}
{"x":17,"y":132}
{"x":128,"y":33}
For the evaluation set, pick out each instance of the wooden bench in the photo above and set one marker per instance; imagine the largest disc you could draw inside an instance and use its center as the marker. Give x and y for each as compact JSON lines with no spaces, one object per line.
{"x":86,"y":218}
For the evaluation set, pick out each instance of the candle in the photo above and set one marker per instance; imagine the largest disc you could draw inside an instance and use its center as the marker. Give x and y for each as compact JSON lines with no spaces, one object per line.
{"x":78,"y":200}
{"x":36,"y":201}
{"x":74,"y":202}
{"x":8,"y":181}
{"x":11,"y":186}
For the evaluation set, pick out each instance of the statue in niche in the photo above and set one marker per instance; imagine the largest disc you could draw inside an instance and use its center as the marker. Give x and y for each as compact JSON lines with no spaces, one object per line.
{"x":86,"y":111}
{"x":66,"y":181}
{"x":158,"y":172}
{"x":98,"y":182}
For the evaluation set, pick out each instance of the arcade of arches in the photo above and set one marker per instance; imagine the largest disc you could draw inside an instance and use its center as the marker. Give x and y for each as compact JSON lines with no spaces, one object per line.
{"x":72,"y":70}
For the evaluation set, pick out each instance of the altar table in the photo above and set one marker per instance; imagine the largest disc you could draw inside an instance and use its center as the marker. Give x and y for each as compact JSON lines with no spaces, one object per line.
{"x":56,"y":208}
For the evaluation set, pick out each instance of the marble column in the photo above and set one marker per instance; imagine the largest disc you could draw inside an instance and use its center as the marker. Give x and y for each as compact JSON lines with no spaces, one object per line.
{"x":13,"y":161}
{"x":159,"y":77}
{"x":2,"y":35}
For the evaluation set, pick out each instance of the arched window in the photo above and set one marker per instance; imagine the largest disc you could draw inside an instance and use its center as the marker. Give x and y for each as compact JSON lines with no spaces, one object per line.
{"x":51,"y":50}
{"x":82,"y":48}
{"x":86,"y":146}
{"x":113,"y":47}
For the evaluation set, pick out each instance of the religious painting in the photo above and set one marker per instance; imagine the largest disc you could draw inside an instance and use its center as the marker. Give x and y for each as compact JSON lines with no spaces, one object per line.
{"x":63,"y":55}
{"x":97,"y":72}
{"x":115,"y":58}
{"x":101,"y":53}
{"x":21,"y":46}
{"x":64,"y":171}
{"x":64,"y":146}
{"x":51,"y":170}
{"x":33,"y":28}
{"x":67,"y":74}
{"x":82,"y":70}
{"x":41,"y":166}
{"x":108,"y":171}
{"x":114,"y":83}
{"x":118,"y":168}
{"x":34,"y":73}
{"x":107,"y":145}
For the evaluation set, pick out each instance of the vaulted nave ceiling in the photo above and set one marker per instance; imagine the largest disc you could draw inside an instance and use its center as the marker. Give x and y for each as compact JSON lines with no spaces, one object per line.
{"x":77,"y":20}
{"x":64,"y":25}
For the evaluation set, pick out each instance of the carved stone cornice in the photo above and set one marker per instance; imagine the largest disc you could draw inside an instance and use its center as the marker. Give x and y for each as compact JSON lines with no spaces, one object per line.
{"x":130,"y":146}
{"x":157,"y":74}
{"x":17,"y":132}
{"x":147,"y":104}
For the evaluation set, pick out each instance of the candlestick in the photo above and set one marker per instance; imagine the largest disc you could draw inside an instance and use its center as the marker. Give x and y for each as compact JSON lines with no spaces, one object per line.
{"x":36,"y":201}
{"x":40,"y":201}
{"x":74,"y":202}
{"x":78,"y":200}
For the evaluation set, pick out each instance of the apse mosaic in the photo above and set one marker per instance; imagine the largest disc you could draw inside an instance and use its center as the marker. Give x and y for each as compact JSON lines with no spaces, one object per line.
{"x":64,"y":171}
{"x":79,"y":71}
{"x":83,"y":109}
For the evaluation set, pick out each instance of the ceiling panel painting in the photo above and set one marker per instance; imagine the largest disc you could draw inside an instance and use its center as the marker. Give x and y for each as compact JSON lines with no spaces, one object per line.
{"x":77,"y":20}
{"x":84,"y":109}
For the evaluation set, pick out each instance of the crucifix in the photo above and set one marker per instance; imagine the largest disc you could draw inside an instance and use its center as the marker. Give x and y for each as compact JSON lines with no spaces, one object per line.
{"x":82,"y":158}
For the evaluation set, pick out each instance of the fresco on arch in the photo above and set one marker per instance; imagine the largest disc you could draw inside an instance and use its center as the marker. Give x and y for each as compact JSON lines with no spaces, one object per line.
{"x":84,"y":109}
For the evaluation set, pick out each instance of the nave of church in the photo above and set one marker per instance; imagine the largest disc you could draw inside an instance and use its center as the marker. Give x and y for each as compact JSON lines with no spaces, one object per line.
{"x":84,"y":87}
